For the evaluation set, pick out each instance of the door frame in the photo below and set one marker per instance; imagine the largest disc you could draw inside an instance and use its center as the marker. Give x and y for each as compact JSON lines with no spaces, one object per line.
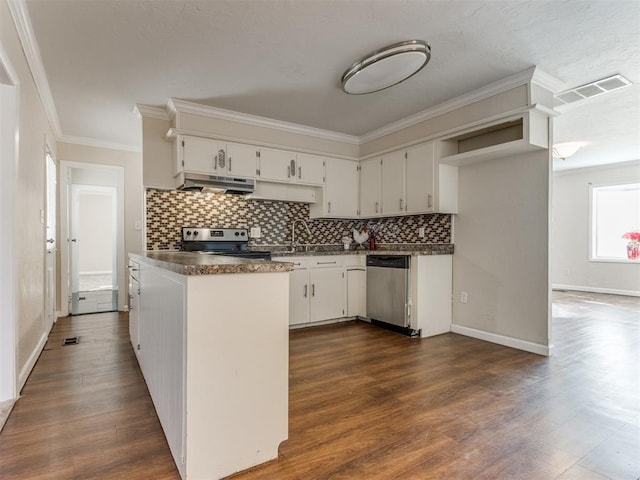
{"x":65,"y":168}
{"x":50,"y":282}
{"x":9,"y":147}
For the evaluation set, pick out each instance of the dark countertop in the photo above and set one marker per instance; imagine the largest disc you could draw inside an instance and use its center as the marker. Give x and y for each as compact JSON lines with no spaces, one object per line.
{"x":383,"y":249}
{"x":188,"y":263}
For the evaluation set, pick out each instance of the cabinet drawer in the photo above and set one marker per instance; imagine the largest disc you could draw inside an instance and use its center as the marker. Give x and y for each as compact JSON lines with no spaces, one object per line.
{"x":324,"y":262}
{"x":298,"y":263}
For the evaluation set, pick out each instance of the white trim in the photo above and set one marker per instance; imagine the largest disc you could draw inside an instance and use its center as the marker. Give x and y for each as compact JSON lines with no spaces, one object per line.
{"x":151,"y":112}
{"x":547,"y":81}
{"x":31,"y":361}
{"x":18,"y":9}
{"x":97,"y":272}
{"x":93,"y":142}
{"x":609,"y":291}
{"x":175,"y":106}
{"x":503,"y":340}
{"x":495,"y":88}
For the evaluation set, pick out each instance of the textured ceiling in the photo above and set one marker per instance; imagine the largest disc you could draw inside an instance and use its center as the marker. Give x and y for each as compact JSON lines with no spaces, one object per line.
{"x":284,"y":59}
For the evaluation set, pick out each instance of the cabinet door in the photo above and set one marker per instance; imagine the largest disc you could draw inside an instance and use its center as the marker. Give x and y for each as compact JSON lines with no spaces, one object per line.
{"x":203,"y":155}
{"x":242,"y":160}
{"x":277,"y":165}
{"x":298,"y":297}
{"x":356,"y":293}
{"x":370,"y":187}
{"x":420,"y":179}
{"x":327,"y":290}
{"x":310,"y":169}
{"x":341,"y":188}
{"x":134,"y":314}
{"x":392,"y":173}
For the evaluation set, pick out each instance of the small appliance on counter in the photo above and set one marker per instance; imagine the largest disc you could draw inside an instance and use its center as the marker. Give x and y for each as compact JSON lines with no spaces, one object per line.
{"x":232,"y":242}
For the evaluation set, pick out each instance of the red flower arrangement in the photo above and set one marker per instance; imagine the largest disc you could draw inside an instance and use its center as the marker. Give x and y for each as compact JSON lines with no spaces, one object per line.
{"x":633,"y":247}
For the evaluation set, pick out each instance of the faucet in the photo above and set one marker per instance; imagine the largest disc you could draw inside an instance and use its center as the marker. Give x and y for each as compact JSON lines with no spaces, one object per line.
{"x":293,"y":231}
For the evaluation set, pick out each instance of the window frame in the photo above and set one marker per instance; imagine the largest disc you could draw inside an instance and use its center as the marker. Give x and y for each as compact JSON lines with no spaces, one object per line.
{"x":593,"y":225}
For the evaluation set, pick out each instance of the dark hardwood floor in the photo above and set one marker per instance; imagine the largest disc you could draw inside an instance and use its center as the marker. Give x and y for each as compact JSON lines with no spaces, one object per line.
{"x":365,"y":403}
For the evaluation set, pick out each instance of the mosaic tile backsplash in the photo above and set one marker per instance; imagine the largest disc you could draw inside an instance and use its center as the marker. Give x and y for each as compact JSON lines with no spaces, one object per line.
{"x":169,"y":211}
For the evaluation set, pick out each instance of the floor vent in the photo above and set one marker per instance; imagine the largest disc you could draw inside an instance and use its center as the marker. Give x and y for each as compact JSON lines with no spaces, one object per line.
{"x":70,"y":341}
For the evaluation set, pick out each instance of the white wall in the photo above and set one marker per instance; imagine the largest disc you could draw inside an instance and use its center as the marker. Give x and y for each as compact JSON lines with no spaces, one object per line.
{"x":570,"y":265}
{"x":501,"y":251}
{"x":34,"y":129}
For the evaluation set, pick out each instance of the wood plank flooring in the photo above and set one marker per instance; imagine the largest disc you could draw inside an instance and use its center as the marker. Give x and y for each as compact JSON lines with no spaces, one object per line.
{"x":365,"y":403}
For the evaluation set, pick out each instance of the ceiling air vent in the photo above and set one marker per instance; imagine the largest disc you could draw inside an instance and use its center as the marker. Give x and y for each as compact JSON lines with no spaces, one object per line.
{"x":593,"y":89}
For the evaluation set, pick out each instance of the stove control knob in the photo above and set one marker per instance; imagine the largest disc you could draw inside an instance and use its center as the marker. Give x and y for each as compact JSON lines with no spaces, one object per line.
{"x":243,"y":233}
{"x":188,"y":233}
{"x":195,"y":233}
{"x":237,"y":234}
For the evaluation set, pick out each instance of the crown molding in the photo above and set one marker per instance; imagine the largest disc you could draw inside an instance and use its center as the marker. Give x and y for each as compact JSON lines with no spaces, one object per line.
{"x":18,"y":9}
{"x":175,"y":105}
{"x":547,"y":81}
{"x":93,"y":142}
{"x":482,"y":93}
{"x":151,"y":112}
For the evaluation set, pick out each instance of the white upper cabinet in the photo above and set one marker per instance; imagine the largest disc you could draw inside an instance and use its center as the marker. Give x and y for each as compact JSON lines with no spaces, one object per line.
{"x":340,"y":193}
{"x":370,"y":187}
{"x":420,"y":179}
{"x":277,"y":165}
{"x":212,"y":157}
{"x":200,"y":155}
{"x":309,"y":169}
{"x":242,"y":160}
{"x":392,"y":190}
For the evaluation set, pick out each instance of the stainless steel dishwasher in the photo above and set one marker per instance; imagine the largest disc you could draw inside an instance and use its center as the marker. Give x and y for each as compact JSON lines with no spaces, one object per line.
{"x":388,"y":292}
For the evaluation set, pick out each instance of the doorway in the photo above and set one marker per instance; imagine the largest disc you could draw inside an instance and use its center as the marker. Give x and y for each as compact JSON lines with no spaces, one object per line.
{"x":94,"y":222}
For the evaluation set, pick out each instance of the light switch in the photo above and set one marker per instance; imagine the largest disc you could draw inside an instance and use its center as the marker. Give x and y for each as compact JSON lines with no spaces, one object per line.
{"x":255,"y":232}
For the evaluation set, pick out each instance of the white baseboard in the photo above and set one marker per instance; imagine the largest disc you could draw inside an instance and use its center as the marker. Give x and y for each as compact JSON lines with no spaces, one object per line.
{"x":31,"y":361}
{"x":503,"y":340}
{"x":611,"y":291}
{"x":96,"y":272}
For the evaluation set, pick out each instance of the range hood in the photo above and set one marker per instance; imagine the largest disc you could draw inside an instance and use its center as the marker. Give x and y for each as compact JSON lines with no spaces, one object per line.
{"x":214,"y":184}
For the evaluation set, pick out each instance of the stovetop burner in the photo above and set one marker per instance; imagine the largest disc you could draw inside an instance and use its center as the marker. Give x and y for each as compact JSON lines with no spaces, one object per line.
{"x":220,"y":241}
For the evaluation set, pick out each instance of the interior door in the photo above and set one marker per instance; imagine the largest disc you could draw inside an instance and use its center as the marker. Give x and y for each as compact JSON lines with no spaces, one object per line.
{"x":93,"y":263}
{"x":51,"y":242}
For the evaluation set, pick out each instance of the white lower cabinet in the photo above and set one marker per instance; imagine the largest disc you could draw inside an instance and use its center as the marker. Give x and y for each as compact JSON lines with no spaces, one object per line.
{"x":317,"y":289}
{"x":299,"y":296}
{"x":356,"y":292}
{"x":431,"y":280}
{"x":161,"y":355}
{"x":327,"y":293}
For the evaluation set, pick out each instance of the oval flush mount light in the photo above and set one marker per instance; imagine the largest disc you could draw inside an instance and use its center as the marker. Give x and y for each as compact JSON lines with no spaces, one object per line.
{"x":386,"y":67}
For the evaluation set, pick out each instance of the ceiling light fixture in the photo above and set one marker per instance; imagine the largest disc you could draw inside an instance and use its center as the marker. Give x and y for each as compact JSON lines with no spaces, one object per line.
{"x":563,"y":151}
{"x":386,"y":67}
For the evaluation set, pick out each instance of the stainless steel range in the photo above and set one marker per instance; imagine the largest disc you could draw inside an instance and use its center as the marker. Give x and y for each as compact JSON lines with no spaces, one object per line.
{"x":220,"y":241}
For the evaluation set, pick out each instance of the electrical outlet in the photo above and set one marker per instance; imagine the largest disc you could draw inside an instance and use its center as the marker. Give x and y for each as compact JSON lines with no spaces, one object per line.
{"x":421,"y":232}
{"x":137,"y":225}
{"x":565,"y":272}
{"x":464,"y":297}
{"x":255,"y":232}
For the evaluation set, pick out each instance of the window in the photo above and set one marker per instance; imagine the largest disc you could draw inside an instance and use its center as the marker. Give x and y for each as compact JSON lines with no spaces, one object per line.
{"x":615,"y":211}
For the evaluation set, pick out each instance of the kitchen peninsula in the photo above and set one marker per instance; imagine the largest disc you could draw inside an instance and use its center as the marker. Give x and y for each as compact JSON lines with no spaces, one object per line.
{"x":211,"y":336}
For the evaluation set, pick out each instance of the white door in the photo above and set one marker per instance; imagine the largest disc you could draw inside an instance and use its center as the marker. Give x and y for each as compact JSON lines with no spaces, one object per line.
{"x":392,"y":172}
{"x":341,"y":188}
{"x":93,"y":266}
{"x":370,"y":187}
{"x":51,"y":242}
{"x":298,"y":297}
{"x":310,"y":169}
{"x":277,"y":165}
{"x":242,"y":160}
{"x":420,"y":179}
{"x":328,"y":293}
{"x":202,"y":155}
